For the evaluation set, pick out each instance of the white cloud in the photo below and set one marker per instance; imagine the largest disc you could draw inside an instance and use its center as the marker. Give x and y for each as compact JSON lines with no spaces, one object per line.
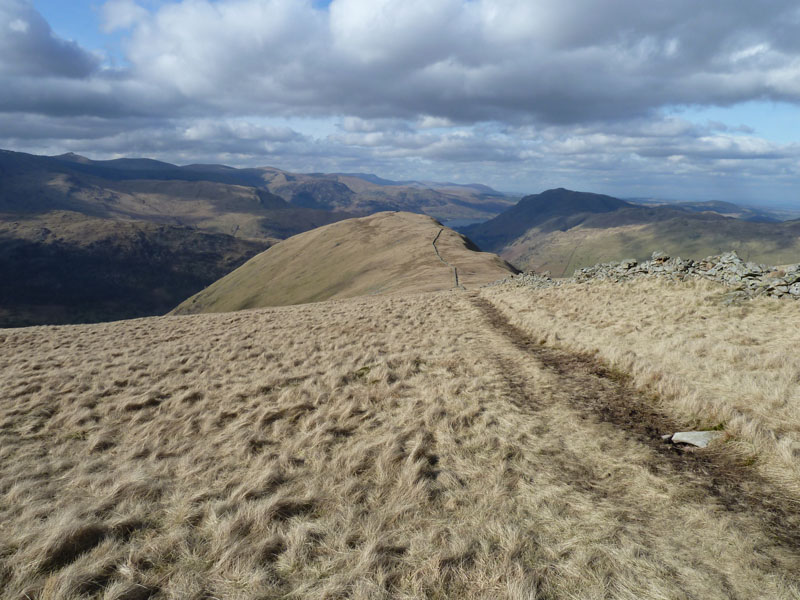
{"x":513,"y":87}
{"x":121,"y":14}
{"x":31,"y":49}
{"x":456,"y":60}
{"x":19,"y":26}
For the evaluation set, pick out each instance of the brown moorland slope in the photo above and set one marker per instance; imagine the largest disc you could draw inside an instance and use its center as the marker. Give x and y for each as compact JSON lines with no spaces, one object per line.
{"x":383,"y":253}
{"x":601,"y":239}
{"x":400,"y":446}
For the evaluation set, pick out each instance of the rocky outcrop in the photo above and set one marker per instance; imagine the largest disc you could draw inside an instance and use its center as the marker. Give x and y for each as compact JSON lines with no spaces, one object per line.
{"x":746,"y":279}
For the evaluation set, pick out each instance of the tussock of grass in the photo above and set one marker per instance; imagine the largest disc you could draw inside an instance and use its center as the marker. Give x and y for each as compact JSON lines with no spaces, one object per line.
{"x":267,"y":468}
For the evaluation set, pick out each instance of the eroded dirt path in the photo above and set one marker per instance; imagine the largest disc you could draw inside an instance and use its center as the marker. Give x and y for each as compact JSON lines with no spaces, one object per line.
{"x":603,"y":401}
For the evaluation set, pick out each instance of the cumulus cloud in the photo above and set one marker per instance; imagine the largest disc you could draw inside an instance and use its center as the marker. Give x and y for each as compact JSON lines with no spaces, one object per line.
{"x":121,"y":14}
{"x":575,"y":86}
{"x":455,"y":60}
{"x":472,"y":60}
{"x":29,"y":47}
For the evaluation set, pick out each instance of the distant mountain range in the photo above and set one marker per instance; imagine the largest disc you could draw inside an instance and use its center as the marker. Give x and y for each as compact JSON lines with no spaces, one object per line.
{"x":727,"y":209}
{"x":561,"y":230}
{"x":85,"y":240}
{"x":248,"y":198}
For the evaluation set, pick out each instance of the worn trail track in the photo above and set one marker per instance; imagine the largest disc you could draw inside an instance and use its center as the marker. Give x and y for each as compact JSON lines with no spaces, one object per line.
{"x":602,"y":394}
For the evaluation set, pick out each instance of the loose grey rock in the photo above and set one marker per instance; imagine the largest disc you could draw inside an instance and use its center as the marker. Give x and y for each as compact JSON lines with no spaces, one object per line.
{"x":701,"y":439}
{"x":746,"y":279}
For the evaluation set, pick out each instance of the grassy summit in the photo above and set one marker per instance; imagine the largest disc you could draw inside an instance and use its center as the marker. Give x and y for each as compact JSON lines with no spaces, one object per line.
{"x":383,"y":253}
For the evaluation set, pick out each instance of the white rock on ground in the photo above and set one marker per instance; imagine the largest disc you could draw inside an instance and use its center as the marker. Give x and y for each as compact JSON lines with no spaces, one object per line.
{"x":701,"y":439}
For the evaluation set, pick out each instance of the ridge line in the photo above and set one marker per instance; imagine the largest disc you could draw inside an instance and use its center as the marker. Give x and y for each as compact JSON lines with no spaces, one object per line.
{"x":455,"y":269}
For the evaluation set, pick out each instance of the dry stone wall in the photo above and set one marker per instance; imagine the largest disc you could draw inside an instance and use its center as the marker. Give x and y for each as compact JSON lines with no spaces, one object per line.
{"x":745,"y":279}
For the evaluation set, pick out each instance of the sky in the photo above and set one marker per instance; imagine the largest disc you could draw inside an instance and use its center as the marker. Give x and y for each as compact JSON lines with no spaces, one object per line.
{"x":669,"y":99}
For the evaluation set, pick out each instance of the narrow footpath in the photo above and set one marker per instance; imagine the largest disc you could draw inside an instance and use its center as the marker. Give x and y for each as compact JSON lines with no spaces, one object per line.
{"x":576,"y":397}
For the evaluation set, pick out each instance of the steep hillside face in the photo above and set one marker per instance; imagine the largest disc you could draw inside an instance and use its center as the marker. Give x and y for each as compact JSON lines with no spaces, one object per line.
{"x":383,"y":253}
{"x":560,"y":231}
{"x":554,"y":208}
{"x":65,"y":267}
{"x":598,"y":239}
{"x":317,"y":193}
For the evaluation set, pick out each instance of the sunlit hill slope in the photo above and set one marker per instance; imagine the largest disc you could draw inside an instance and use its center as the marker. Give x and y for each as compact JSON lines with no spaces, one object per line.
{"x":562,"y":230}
{"x":382,"y":253}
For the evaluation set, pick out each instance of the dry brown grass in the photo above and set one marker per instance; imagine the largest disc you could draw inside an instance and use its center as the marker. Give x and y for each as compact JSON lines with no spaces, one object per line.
{"x":736,"y":367}
{"x":386,"y":447}
{"x":388,"y":252}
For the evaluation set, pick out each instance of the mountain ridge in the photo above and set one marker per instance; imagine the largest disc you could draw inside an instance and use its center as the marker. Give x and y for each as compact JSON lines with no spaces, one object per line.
{"x":387,"y":252}
{"x":355,"y":194}
{"x":561,"y":230}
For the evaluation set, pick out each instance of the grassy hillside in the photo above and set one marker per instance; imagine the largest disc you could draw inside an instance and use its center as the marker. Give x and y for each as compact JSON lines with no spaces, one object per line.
{"x":402,"y":446}
{"x":560,"y":231}
{"x":383,"y":253}
{"x":64,"y":267}
{"x":689,"y":236}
